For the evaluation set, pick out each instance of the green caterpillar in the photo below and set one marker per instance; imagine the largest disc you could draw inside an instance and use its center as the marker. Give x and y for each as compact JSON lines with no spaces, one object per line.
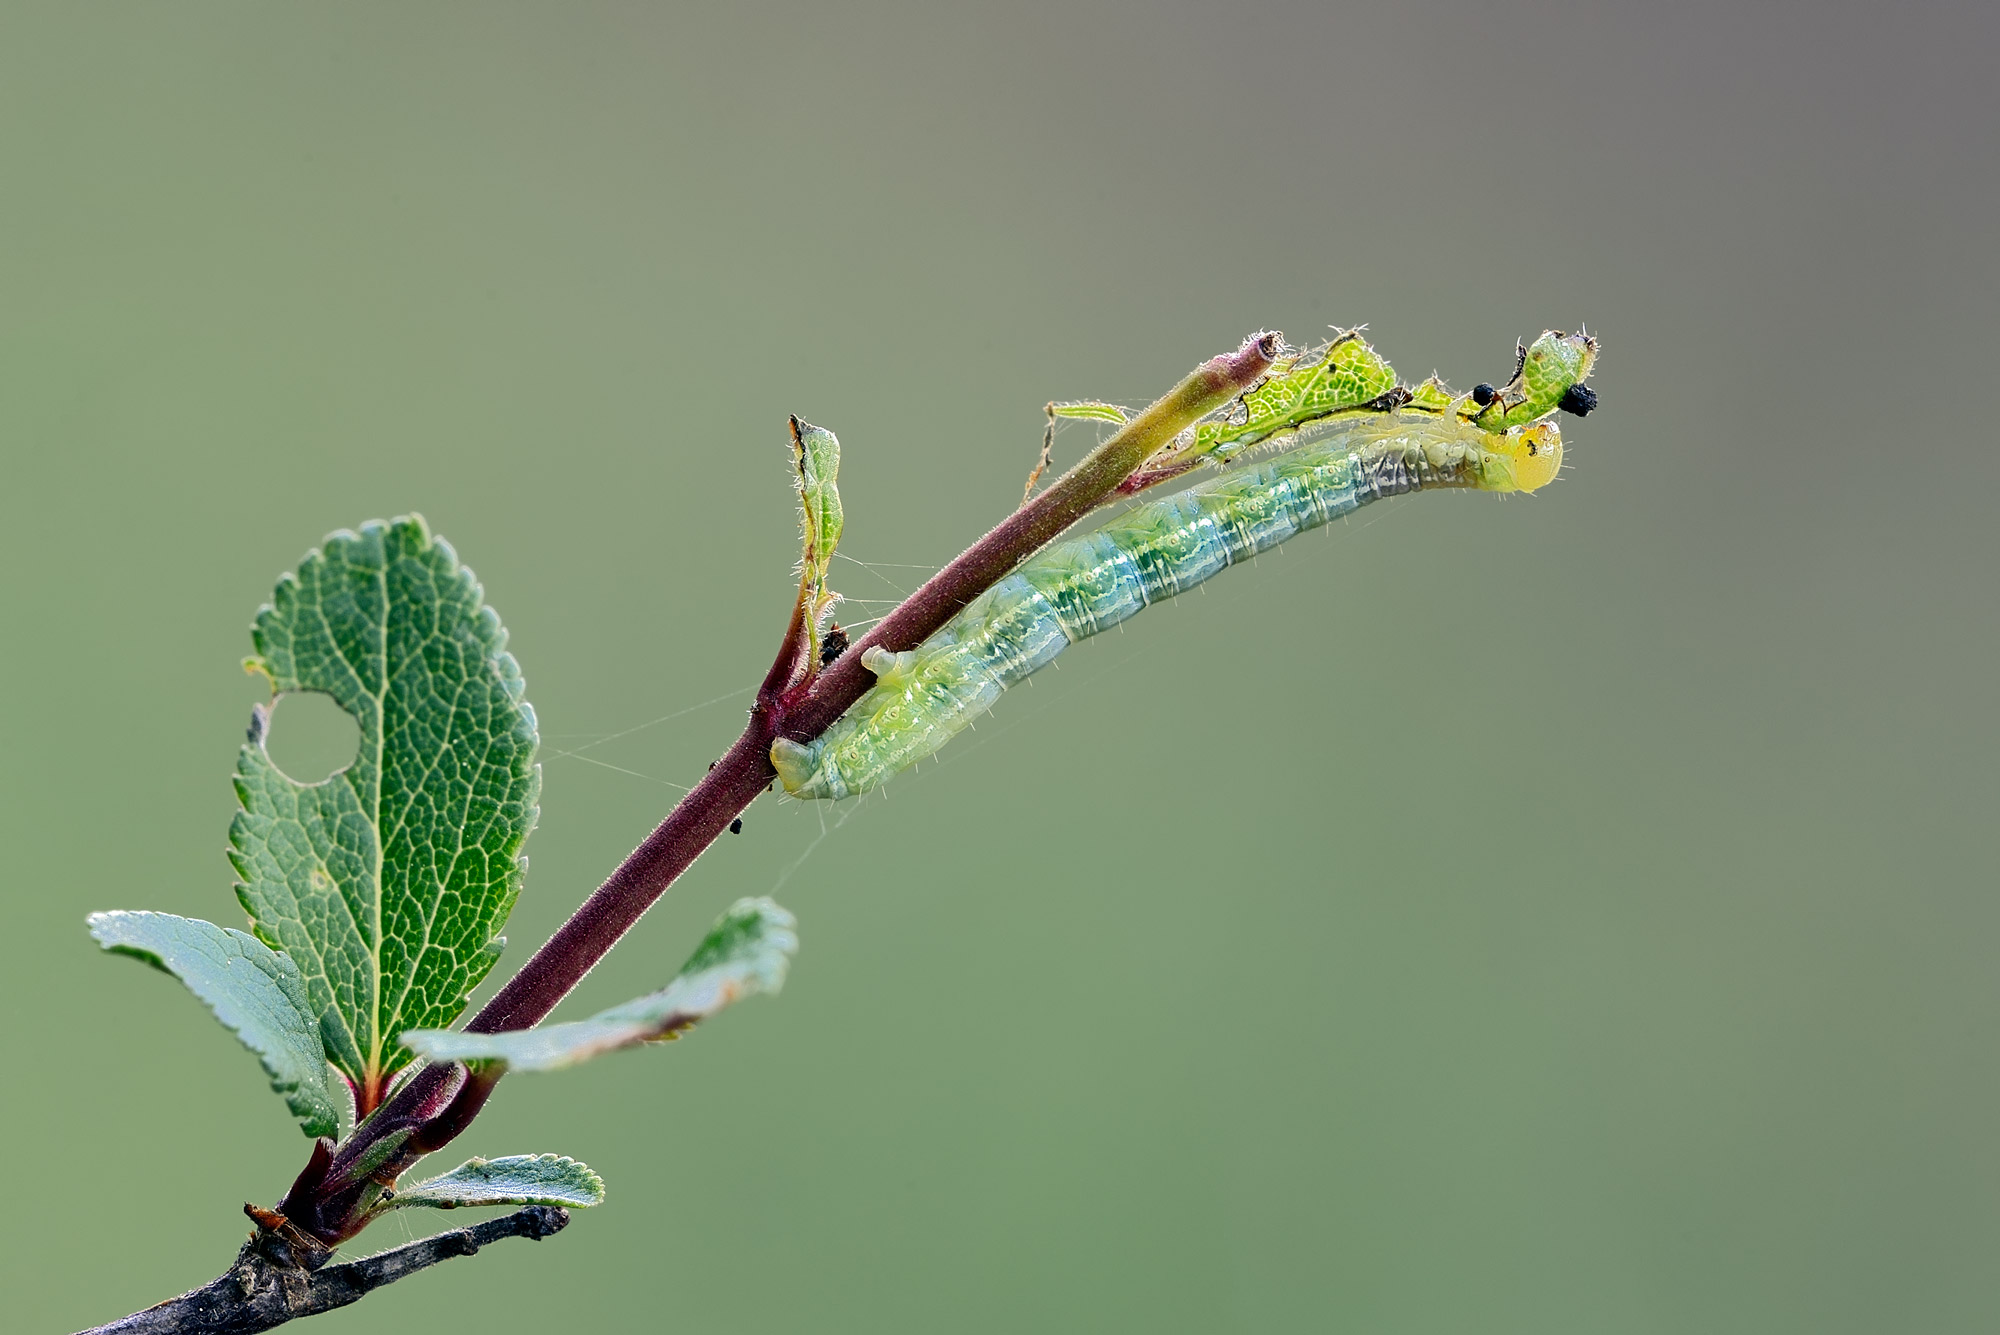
{"x":1395,"y":441}
{"x":1309,"y":392}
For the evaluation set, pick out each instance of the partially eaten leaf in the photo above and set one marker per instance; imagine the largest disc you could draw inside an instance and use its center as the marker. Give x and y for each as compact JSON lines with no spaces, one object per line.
{"x":256,"y":992}
{"x":518,"y":1179}
{"x":746,"y":952}
{"x":1303,"y":388}
{"x":388,"y":882}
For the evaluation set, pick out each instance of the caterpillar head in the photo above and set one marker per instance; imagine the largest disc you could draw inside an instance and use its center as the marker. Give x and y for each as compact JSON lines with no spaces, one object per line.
{"x":1548,"y":374}
{"x":1522,"y":458}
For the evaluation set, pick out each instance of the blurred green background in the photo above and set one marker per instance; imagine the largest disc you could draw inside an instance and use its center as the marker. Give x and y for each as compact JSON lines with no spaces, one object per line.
{"x":1238,"y":976}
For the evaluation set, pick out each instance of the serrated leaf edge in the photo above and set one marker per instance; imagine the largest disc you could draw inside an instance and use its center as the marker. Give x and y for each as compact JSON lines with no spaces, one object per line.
{"x":310,"y":1104}
{"x":591,"y":1193}
{"x":492,"y":637}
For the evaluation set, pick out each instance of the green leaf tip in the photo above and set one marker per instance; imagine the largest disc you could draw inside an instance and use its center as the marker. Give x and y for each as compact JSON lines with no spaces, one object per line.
{"x":520,"y":1179}
{"x":746,"y":952}
{"x":388,"y":883}
{"x":255,"y":992}
{"x":1544,"y":371}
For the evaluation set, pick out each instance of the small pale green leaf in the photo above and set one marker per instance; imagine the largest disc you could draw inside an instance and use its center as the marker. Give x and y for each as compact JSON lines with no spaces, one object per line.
{"x":1092,"y":412}
{"x":746,"y":952}
{"x":388,"y":882}
{"x":816,"y":455}
{"x":816,"y":465}
{"x":519,"y":1179}
{"x":256,"y":992}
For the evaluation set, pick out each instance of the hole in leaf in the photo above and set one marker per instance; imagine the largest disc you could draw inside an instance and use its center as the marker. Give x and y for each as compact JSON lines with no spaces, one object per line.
{"x":311,"y":737}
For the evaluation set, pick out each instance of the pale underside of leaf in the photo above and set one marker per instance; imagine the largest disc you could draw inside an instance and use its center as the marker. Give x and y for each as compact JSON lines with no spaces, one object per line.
{"x":519,"y":1179}
{"x":253,"y":990}
{"x":746,"y":952}
{"x":388,"y":882}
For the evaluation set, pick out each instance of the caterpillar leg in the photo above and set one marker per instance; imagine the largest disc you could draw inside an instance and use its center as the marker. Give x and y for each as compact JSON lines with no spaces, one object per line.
{"x":793,"y":762}
{"x":889,"y":669}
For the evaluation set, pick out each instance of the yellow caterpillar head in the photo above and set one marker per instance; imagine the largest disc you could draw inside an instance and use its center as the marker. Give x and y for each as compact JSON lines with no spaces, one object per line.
{"x":1522,"y":458}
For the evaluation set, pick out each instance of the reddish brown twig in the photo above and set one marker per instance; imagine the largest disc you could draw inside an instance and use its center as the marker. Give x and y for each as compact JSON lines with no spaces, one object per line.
{"x":330,"y":1201}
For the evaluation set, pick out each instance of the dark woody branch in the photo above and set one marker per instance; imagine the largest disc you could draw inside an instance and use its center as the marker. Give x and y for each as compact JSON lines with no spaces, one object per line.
{"x":266,"y":1287}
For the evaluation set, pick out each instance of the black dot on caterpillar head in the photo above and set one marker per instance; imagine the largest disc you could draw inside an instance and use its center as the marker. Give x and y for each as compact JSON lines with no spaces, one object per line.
{"x":1532,"y":448}
{"x":1578,"y":400}
{"x":833,"y":646}
{"x":1482,"y":393}
{"x":736,"y":826}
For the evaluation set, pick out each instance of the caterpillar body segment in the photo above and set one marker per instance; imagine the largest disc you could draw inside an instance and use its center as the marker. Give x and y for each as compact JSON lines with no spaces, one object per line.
{"x":1083,"y":585}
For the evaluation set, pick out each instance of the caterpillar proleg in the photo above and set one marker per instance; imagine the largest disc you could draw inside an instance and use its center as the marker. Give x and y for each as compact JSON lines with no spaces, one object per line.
{"x":1082,"y":585}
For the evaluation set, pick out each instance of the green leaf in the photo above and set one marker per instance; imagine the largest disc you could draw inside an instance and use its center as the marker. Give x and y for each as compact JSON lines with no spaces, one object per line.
{"x":1088,"y":411}
{"x":816,"y":464}
{"x":746,"y":952}
{"x":256,"y":993}
{"x":388,"y":882}
{"x":1345,"y":375}
{"x":519,"y":1179}
{"x":816,"y":456}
